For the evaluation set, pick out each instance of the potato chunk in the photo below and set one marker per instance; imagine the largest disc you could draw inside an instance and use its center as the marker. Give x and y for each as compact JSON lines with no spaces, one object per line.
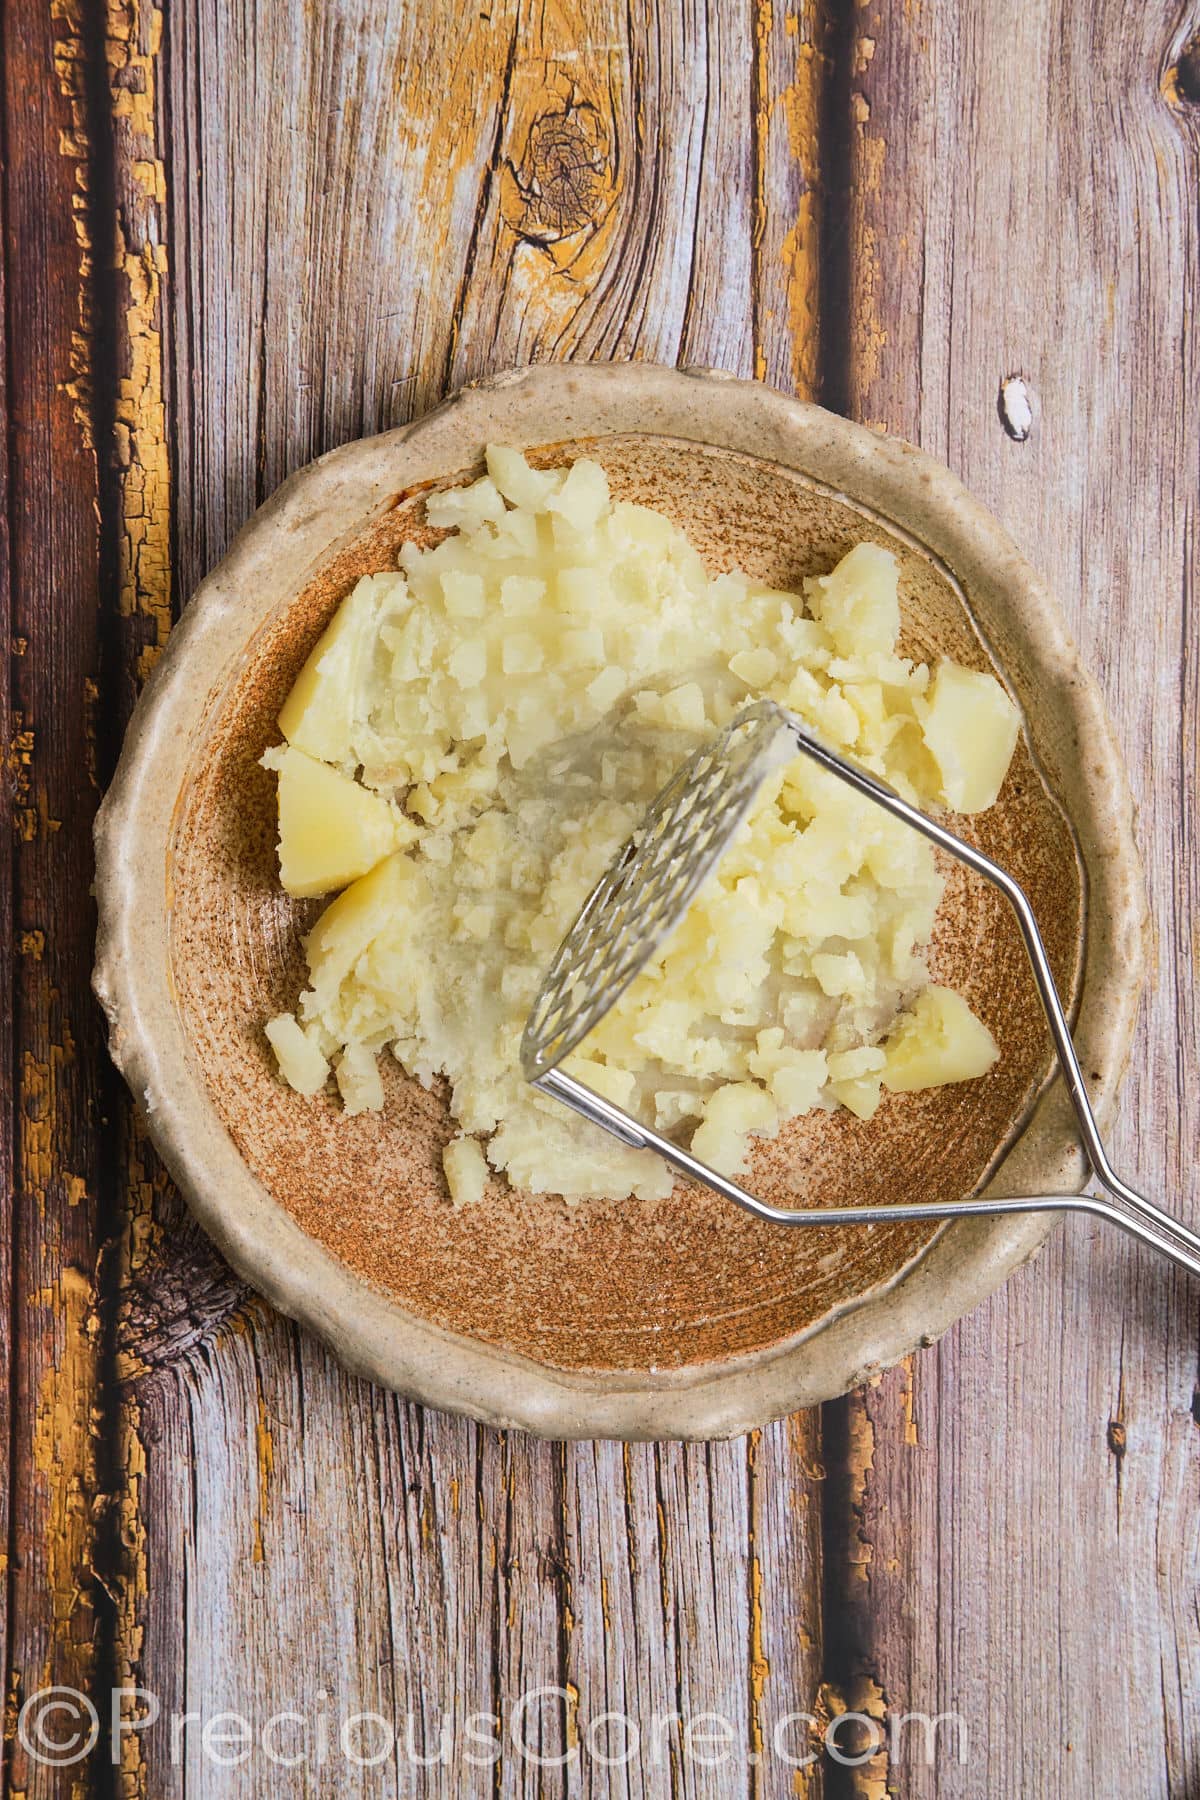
{"x":321,"y":712}
{"x":970,"y":729}
{"x":731,"y":1115}
{"x":855,"y":1076}
{"x":466,"y":1170}
{"x":937,"y":1041}
{"x":517,"y":481}
{"x":583,"y":497}
{"x":858,"y":602}
{"x":359,"y":1081}
{"x":350,"y":923}
{"x":331,"y":829}
{"x":300,"y":1062}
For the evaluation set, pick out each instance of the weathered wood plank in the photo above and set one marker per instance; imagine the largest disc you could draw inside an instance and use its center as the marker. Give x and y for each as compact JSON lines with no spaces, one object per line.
{"x":136,"y":552}
{"x":378,"y":234}
{"x":14,"y":947}
{"x":54,"y":1204}
{"x":650,"y":257}
{"x":1023,"y":204}
{"x":688,"y":1599}
{"x":792,"y":89}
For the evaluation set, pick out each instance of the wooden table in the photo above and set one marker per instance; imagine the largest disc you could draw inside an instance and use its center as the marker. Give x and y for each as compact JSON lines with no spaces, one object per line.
{"x":238,"y":234}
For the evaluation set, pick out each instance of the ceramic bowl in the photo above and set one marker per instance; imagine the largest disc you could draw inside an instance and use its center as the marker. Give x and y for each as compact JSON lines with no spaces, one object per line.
{"x":683,"y":1318}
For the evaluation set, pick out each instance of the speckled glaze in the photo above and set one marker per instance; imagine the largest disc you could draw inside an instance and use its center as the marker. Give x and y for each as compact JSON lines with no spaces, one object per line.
{"x":682,"y":1318}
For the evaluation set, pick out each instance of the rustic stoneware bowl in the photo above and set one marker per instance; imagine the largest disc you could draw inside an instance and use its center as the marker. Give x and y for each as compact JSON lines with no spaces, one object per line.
{"x":684,"y":1318}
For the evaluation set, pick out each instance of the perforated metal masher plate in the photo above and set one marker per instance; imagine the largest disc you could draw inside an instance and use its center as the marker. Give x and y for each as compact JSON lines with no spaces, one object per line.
{"x":641,"y":898}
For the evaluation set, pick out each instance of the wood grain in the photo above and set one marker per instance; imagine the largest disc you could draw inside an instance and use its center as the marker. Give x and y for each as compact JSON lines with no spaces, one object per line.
{"x":1023,"y":203}
{"x":56,"y":1204}
{"x":240,"y":235}
{"x":469,"y":1569}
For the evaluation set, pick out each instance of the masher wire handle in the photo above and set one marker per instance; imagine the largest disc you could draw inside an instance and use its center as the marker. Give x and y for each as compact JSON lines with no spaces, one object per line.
{"x":628,"y":1130}
{"x":1120,"y":1205}
{"x":1168,"y":1234}
{"x":637,"y":1136}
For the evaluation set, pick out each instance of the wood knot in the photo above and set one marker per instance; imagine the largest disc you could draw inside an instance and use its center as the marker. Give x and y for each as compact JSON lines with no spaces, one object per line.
{"x":1187,"y":73}
{"x":177,"y":1303}
{"x":1181,"y":84}
{"x":562,"y":180}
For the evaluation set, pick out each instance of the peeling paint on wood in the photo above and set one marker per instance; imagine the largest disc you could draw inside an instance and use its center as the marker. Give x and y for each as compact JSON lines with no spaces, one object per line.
{"x":50,"y":1362}
{"x":792,"y":73}
{"x":70,"y":66}
{"x":133,"y":49}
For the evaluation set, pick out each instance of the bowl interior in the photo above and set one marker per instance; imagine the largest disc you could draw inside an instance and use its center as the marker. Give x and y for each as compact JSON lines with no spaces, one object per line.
{"x":630,"y":1285}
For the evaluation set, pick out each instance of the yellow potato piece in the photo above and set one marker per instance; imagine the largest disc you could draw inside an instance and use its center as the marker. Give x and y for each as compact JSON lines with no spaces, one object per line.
{"x":300,"y":1062}
{"x":970,"y":729}
{"x":858,"y":602}
{"x":937,"y":1041}
{"x":350,"y":923}
{"x":320,"y":712}
{"x":466,"y":1170}
{"x":331,"y":829}
{"x":855,"y":1077}
{"x":516,"y":480}
{"x":731,"y":1115}
{"x":359,"y":1081}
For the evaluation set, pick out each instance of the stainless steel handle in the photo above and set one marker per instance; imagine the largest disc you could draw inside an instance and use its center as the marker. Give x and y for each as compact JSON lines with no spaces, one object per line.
{"x":1181,"y":1245}
{"x":1119,"y":1203}
{"x":1122,"y":1205}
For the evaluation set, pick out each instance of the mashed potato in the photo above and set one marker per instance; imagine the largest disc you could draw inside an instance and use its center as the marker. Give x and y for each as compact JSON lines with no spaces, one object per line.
{"x":479,"y":731}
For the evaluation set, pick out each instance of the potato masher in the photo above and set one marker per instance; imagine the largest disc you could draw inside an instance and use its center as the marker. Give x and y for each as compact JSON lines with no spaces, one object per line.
{"x":646,"y":892}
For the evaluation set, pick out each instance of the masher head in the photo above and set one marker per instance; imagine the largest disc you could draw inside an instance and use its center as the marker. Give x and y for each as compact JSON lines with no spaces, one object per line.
{"x":647,"y":890}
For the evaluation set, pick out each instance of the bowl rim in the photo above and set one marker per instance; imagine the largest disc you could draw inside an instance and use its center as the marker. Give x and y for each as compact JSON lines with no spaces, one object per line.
{"x":322,"y":507}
